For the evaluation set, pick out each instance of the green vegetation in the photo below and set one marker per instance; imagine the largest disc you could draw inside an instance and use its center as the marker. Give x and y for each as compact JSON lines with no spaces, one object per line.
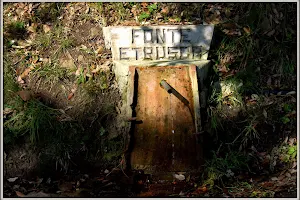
{"x":95,"y":85}
{"x":32,"y":120}
{"x":151,"y":10}
{"x":9,"y":84}
{"x":288,"y":153}
{"x":52,"y":72}
{"x":217,"y":168}
{"x":71,"y":111}
{"x":56,"y":41}
{"x":43,"y":41}
{"x":17,"y":29}
{"x":48,"y":12}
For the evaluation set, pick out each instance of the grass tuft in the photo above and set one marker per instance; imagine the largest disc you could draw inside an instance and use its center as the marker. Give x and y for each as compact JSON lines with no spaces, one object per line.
{"x":52,"y":72}
{"x":48,"y":12}
{"x":34,"y":119}
{"x":16,"y":30}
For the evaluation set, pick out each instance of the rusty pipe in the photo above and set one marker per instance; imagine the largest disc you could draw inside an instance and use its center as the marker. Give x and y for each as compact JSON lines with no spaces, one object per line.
{"x":170,"y":89}
{"x":166,"y":86}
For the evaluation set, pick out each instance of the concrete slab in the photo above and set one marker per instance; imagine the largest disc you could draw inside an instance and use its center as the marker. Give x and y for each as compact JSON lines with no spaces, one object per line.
{"x":172,"y":42}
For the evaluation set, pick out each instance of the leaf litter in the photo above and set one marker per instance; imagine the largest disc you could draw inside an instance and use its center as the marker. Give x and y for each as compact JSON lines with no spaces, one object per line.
{"x":213,"y":13}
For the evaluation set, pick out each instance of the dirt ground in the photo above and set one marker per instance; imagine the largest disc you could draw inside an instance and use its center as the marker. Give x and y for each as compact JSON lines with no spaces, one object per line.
{"x":62,"y":133}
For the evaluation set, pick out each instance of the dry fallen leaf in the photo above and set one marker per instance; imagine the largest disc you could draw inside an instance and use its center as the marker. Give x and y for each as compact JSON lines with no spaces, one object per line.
{"x":46,"y":28}
{"x":39,"y":180}
{"x":35,"y":59}
{"x":70,"y":95}
{"x":20,"y":80}
{"x":165,"y":10}
{"x":83,"y":47}
{"x":80,"y":58}
{"x":229,"y":26}
{"x":7,"y":111}
{"x":100,"y":50}
{"x":89,"y":75}
{"x":146,"y":194}
{"x":67,"y":63}
{"x":267,"y":184}
{"x":66,"y":186}
{"x":87,"y":10}
{"x":269,"y":82}
{"x":172,"y":20}
{"x":37,"y":194}
{"x":74,"y":89}
{"x":26,"y":72}
{"x":18,"y":47}
{"x":292,"y":171}
{"x":20,"y":194}
{"x":265,"y":113}
{"x":247,"y":30}
{"x":11,"y":180}
{"x":130,"y":23}
{"x":96,"y":70}
{"x":188,"y":178}
{"x":106,"y":66}
{"x":271,"y":33}
{"x":25,"y":95}
{"x":179,"y":177}
{"x":78,"y":71}
{"x":31,"y":29}
{"x":201,"y":190}
{"x":144,"y":4}
{"x":281,"y":177}
{"x":288,"y":174}
{"x":158,"y":16}
{"x":291,"y":93}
